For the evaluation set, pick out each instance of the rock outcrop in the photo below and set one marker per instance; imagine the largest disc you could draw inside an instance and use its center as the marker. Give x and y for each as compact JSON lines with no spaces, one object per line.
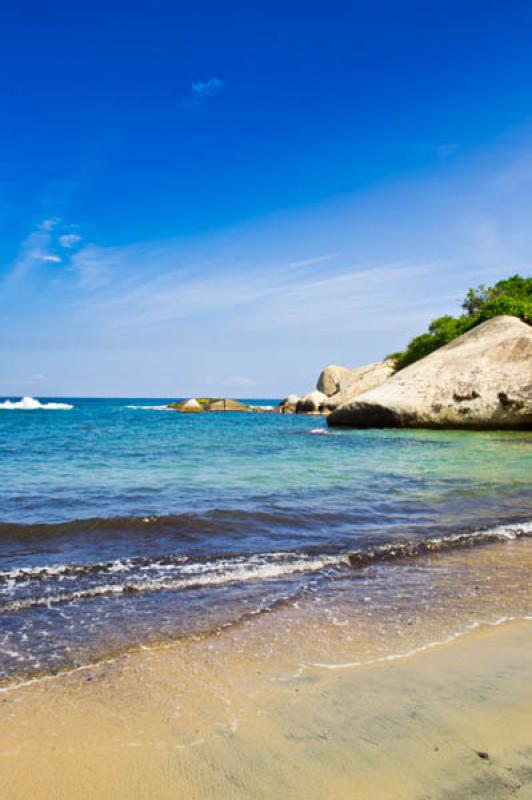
{"x":481,"y":380}
{"x":187,"y":406}
{"x":337,"y":385}
{"x":352,"y":382}
{"x":228,"y":405}
{"x":311,"y":403}
{"x":331,"y":379}
{"x":211,"y":404}
{"x":289,"y":404}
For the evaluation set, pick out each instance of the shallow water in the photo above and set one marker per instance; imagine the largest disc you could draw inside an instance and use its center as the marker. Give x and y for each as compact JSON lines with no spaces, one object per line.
{"x":122,"y":523}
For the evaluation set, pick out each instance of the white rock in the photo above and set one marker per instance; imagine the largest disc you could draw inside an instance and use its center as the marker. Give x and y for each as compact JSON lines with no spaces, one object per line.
{"x":481,"y":380}
{"x":192,"y":404}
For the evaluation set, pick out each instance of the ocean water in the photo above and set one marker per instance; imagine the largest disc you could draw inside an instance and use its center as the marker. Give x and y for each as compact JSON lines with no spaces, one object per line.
{"x":123,"y":523}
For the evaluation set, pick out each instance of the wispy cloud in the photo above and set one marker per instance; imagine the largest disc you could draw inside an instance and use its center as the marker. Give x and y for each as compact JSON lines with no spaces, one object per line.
{"x":203,"y":90}
{"x":126,"y":300}
{"x":49,"y":224}
{"x":311,"y":262}
{"x":69,"y":240}
{"x":34,"y":249}
{"x":46,"y":244}
{"x":96,"y":266}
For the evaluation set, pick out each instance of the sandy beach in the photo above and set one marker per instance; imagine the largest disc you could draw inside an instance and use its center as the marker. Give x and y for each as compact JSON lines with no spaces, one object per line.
{"x":199,"y":719}
{"x":266,"y":400}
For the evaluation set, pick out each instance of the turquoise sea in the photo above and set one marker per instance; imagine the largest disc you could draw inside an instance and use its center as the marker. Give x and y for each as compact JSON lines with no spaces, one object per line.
{"x":123,"y":523}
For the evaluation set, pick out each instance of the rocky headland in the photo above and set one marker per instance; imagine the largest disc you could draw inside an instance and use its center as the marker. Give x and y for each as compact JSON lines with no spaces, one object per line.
{"x":481,"y":380}
{"x":198,"y":405}
{"x":336,"y":385}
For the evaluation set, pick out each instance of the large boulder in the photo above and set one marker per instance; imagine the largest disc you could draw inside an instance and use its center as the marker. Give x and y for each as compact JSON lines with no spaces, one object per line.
{"x":481,"y":380}
{"x":311,"y":403}
{"x":352,"y":382}
{"x":335,"y":386}
{"x":331,"y":379}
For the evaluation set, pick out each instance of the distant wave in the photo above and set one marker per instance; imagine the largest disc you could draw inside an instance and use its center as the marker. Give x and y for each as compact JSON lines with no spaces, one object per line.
{"x":187,"y":526}
{"x":30,"y":404}
{"x":150,"y":408}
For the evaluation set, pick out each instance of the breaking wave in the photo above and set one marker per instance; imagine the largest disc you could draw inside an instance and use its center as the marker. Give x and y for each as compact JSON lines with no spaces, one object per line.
{"x":31,"y":404}
{"x":149,"y":408}
{"x":190,"y":576}
{"x":176,"y":572}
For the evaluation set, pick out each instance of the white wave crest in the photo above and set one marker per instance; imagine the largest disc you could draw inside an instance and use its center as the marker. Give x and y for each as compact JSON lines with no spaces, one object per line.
{"x":191,"y":576}
{"x":30,"y":404}
{"x":511,"y":531}
{"x":150,"y":408}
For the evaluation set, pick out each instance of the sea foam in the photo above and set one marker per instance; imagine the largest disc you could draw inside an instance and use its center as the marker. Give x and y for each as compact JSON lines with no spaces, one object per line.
{"x":150,"y":408}
{"x":31,"y":404}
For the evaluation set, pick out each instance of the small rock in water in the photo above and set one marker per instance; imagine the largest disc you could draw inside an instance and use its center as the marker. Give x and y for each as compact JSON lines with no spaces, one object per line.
{"x":482,"y":754}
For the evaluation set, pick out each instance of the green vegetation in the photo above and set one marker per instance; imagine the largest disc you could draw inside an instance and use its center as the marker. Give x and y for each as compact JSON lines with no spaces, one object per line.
{"x":207,"y":401}
{"x":204,"y":402}
{"x":511,"y":296}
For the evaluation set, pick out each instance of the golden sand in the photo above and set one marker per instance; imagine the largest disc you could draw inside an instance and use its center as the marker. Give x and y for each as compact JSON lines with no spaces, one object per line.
{"x":248,"y":713}
{"x":163,"y":724}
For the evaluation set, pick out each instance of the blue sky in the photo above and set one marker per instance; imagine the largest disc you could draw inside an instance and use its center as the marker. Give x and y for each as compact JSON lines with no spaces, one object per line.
{"x":222,"y":197}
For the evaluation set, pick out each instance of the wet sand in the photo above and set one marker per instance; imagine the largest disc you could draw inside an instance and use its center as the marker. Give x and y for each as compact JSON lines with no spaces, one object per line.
{"x":210,"y":719}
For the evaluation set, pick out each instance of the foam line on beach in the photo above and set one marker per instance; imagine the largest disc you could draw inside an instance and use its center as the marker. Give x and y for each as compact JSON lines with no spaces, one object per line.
{"x":174,"y":572}
{"x":306,"y":666}
{"x":398,"y":549}
{"x":220,"y":573}
{"x":152,"y":647}
{"x":438,"y":544}
{"x":414,"y":651}
{"x":62,"y":674}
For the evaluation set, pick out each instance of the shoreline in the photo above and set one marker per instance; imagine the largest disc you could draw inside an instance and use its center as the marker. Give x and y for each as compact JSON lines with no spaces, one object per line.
{"x":192,"y":721}
{"x":343,"y":616}
{"x":400,"y":603}
{"x":157,"y":647}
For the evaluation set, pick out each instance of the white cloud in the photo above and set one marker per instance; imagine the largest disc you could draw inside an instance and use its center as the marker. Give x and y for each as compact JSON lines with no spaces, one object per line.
{"x":31,"y":251}
{"x":310,"y":262}
{"x":49,"y":224}
{"x":350,"y":298}
{"x":39,"y":247}
{"x":69,"y":240}
{"x":201,"y":90}
{"x":96,"y":266}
